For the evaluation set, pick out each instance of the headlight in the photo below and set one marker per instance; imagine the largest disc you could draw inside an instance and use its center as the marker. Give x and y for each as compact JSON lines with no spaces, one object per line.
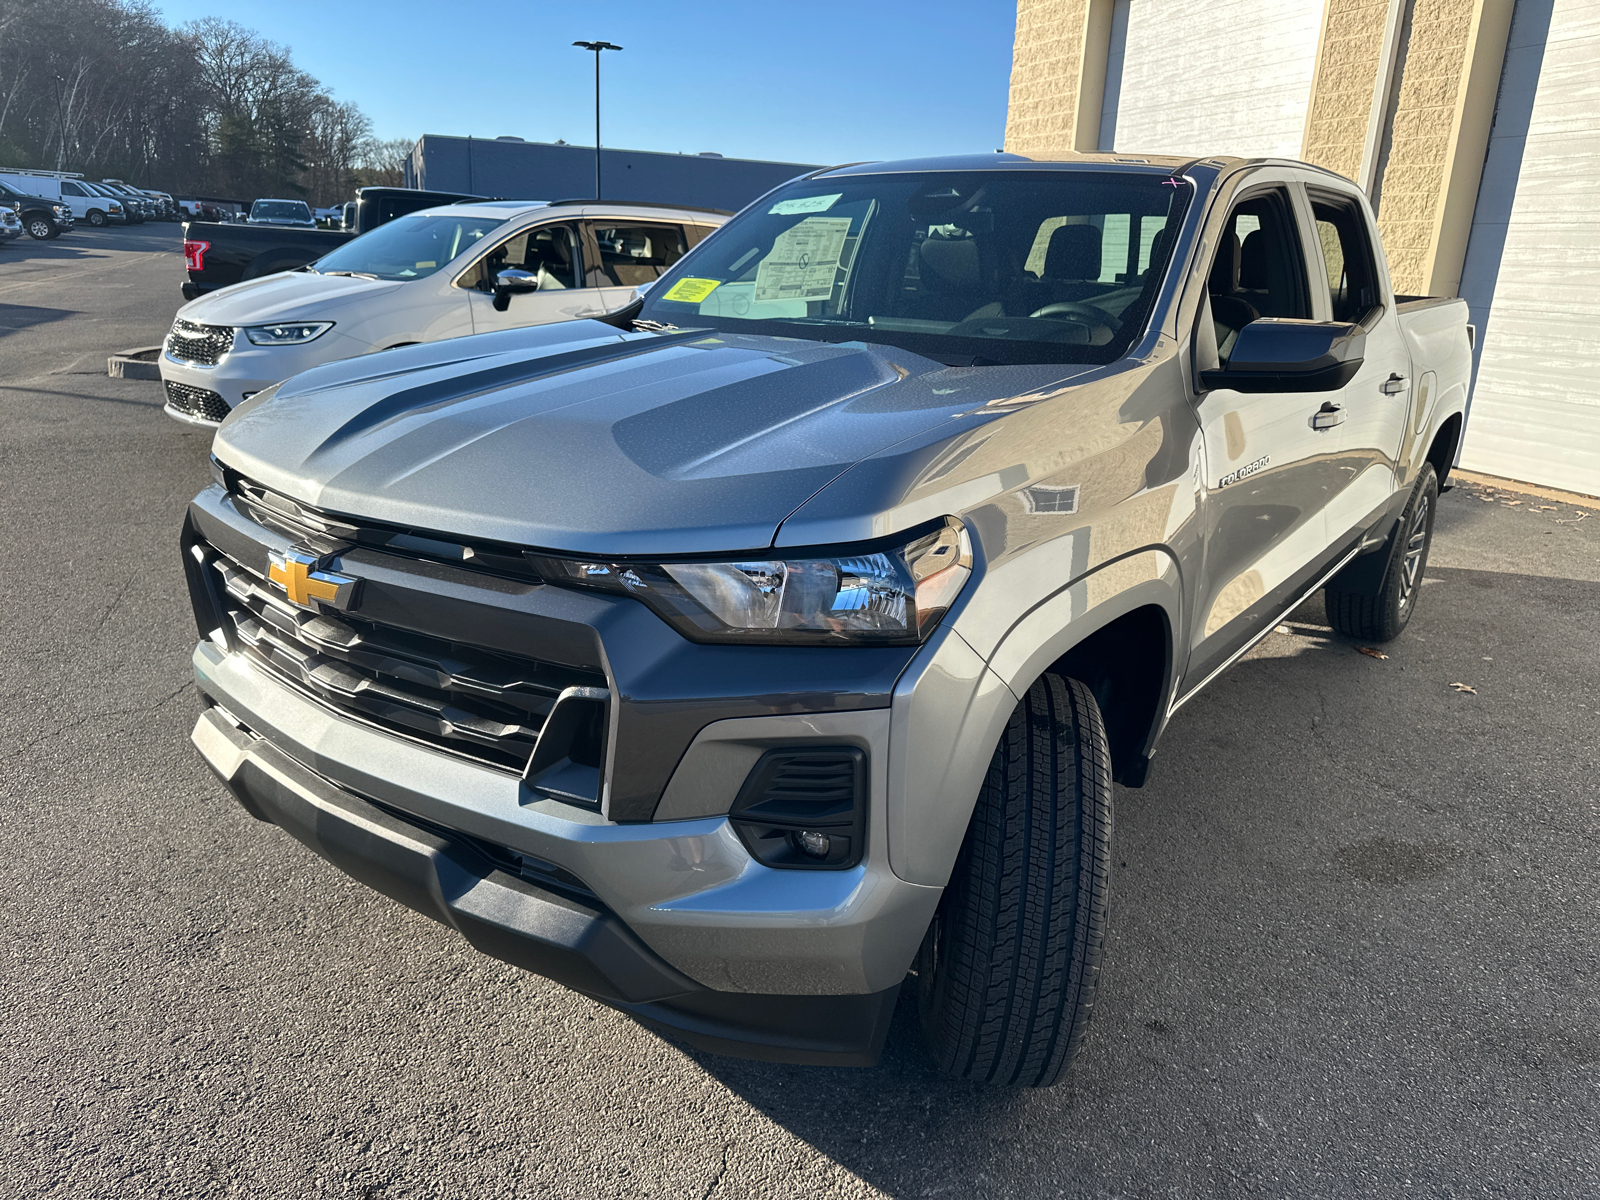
{"x":61,"y":210}
{"x":883,"y":597}
{"x":294,"y":333}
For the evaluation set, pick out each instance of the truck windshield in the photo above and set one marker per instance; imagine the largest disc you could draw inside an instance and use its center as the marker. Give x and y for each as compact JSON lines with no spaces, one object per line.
{"x":409,"y":247}
{"x":966,"y":268}
{"x":280,"y":210}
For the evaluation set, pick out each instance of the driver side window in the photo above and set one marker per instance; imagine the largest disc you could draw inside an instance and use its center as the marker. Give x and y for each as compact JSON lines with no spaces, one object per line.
{"x":1259,"y":268}
{"x":548,"y":251}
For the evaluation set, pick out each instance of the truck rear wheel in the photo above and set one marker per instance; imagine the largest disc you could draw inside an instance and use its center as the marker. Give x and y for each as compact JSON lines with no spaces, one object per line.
{"x":1375,"y":606}
{"x":1008,"y":971}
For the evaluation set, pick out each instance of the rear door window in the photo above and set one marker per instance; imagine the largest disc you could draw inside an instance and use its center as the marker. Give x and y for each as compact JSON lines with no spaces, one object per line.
{"x":1347,"y":255}
{"x":634,"y":254}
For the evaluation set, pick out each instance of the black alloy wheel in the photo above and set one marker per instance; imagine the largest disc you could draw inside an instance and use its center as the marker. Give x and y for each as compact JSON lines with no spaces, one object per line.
{"x":1362,"y":604}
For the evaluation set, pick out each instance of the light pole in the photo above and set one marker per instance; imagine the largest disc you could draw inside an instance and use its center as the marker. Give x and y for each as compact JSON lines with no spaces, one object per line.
{"x":597,"y":47}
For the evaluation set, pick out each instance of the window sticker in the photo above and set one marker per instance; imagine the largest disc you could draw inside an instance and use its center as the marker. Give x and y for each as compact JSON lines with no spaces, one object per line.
{"x":691,"y":291}
{"x":806,"y":204}
{"x":804,"y":260}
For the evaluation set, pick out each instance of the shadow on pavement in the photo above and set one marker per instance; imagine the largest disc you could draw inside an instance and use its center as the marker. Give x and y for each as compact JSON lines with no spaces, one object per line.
{"x":24,"y":316}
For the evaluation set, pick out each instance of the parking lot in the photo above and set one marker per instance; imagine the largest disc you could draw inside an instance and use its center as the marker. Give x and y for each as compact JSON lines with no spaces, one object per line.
{"x":1355,"y":940}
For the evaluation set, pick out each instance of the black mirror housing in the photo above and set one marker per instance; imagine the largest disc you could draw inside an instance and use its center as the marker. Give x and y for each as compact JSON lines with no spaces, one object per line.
{"x":1278,"y":354}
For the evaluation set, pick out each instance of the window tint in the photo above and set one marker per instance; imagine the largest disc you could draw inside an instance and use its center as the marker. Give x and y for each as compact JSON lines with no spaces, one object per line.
{"x":1258,"y":270}
{"x":631,"y":255}
{"x":548,"y":251}
{"x":1352,"y":276}
{"x":70,"y":188}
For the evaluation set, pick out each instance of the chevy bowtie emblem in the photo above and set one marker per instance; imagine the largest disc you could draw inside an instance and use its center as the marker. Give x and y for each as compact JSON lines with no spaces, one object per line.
{"x":297,"y":575}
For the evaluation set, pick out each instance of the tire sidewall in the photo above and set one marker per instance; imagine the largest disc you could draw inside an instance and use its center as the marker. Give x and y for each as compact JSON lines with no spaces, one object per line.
{"x":1425,"y":490}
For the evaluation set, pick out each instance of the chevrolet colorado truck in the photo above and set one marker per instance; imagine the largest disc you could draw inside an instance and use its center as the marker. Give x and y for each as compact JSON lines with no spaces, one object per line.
{"x":775,"y":643}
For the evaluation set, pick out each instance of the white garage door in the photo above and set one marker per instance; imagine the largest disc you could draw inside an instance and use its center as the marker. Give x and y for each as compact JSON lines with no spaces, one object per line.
{"x":1532,"y":275}
{"x":1224,"y":77}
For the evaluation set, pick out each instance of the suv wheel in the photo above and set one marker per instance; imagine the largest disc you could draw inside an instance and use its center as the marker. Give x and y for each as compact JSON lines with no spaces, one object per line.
{"x":1378,"y":611}
{"x":42,"y":228}
{"x":1008,"y":971}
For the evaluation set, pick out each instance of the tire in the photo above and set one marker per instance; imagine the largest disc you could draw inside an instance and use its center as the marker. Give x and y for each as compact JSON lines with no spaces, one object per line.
{"x":39,"y":227}
{"x":1007,"y":974}
{"x":1361,"y":603}
{"x":96,"y":218}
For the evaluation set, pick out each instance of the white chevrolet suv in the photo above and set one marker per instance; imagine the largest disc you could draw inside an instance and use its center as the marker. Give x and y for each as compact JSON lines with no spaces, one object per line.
{"x":440,"y":273}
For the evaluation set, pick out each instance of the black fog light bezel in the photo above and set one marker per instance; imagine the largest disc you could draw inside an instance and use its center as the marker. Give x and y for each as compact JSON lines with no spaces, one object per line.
{"x":771,"y":812}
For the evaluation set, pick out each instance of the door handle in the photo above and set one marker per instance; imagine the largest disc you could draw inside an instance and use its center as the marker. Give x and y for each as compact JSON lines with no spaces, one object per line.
{"x":1393,"y":385}
{"x":1326,"y":417}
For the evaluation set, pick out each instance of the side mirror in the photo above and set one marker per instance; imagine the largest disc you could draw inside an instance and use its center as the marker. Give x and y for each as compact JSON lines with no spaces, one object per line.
{"x":512,"y":282}
{"x":1277,"y":354}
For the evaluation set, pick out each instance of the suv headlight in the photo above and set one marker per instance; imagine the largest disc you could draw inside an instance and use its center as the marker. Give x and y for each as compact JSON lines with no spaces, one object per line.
{"x":892,"y":596}
{"x":290,"y":333}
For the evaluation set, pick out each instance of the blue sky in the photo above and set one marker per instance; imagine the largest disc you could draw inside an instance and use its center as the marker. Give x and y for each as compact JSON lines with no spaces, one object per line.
{"x":820,"y":82}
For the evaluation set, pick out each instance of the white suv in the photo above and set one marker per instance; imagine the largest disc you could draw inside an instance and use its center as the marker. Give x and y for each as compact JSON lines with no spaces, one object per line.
{"x":440,"y":273}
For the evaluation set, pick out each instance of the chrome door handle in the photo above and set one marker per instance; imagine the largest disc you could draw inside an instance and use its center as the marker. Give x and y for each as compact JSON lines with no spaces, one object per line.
{"x":1326,"y":417}
{"x":1393,"y":385}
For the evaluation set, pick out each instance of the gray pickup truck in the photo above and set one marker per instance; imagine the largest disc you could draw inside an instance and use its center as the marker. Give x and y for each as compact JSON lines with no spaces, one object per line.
{"x":781,"y":638}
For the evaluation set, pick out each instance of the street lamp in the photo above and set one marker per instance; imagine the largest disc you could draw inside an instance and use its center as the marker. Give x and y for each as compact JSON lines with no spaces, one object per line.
{"x":597,"y":47}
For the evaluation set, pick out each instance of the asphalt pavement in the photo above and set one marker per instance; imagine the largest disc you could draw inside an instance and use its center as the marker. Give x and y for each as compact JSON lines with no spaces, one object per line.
{"x":1354,"y":949}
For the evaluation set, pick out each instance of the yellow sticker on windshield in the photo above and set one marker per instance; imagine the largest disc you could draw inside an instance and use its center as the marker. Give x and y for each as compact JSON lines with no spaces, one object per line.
{"x":691,"y":291}
{"x":426,"y":264}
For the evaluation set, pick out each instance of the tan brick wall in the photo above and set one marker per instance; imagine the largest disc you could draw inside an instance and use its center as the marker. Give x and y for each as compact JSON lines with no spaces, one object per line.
{"x":1420,"y":142}
{"x":1046,"y":67}
{"x":1341,"y":94}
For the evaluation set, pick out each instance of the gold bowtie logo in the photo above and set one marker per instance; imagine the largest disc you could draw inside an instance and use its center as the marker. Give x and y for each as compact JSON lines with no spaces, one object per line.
{"x":302,"y":583}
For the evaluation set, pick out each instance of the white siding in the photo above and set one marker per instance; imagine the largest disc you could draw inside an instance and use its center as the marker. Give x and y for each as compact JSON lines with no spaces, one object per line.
{"x":1532,"y":274}
{"x":1226,"y":77}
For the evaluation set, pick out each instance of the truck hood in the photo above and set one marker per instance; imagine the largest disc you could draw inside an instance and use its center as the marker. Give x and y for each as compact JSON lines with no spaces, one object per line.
{"x":287,"y":296}
{"x":581,"y":439}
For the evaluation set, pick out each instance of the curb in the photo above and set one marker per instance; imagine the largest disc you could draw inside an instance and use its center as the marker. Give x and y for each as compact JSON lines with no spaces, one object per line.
{"x":139,"y":363}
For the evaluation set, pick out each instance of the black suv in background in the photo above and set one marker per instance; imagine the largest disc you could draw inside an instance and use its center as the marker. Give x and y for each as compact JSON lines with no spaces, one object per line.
{"x":42,"y":217}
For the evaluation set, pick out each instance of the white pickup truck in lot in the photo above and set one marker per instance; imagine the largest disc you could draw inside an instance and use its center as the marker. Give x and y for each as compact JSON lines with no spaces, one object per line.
{"x":776,"y":641}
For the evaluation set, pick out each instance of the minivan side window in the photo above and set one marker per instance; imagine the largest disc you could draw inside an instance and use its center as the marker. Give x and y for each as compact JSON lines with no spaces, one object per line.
{"x":548,"y":251}
{"x":1347,"y":253}
{"x":1259,"y":270}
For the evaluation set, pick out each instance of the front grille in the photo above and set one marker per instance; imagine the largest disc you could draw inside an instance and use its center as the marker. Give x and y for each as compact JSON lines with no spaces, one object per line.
{"x":457,"y":697}
{"x":196,"y":402}
{"x":203,"y":345}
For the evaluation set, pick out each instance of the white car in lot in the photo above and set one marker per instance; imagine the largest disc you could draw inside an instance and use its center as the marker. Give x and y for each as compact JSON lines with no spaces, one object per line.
{"x":440,"y":273}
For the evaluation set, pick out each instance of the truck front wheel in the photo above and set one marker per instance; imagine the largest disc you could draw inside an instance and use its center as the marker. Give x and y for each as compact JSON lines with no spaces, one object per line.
{"x":1364,"y":602}
{"x":1008,"y":971}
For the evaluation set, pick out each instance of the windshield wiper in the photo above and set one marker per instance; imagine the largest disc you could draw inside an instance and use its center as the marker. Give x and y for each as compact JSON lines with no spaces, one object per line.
{"x":654,"y":327}
{"x":351,"y":274}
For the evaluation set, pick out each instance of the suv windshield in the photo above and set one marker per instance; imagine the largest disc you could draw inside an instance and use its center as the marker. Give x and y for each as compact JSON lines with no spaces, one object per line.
{"x":409,"y":247}
{"x":971,"y":267}
{"x":280,"y":210}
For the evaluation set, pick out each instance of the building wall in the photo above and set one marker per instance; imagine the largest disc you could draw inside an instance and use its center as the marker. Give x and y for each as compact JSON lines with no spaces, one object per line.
{"x":1349,"y":54}
{"x":1225,"y":77}
{"x":1532,"y":273}
{"x":540,"y":171}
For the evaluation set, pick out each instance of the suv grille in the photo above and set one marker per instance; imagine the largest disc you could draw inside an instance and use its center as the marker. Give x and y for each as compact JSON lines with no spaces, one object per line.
{"x":195,"y":402}
{"x":464,"y":699}
{"x":203,"y":345}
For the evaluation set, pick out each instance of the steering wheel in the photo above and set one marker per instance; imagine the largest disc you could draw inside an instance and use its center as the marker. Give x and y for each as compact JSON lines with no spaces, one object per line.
{"x":1072,"y":308}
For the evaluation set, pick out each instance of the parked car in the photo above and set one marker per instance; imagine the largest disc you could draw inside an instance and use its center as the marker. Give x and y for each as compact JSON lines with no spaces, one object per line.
{"x":166,"y":206}
{"x":140,"y":207}
{"x":294,"y":214}
{"x":220,"y":254}
{"x":440,"y":273}
{"x":786,"y":632}
{"x":10,"y":226}
{"x":43,"y":217}
{"x":62,"y":187}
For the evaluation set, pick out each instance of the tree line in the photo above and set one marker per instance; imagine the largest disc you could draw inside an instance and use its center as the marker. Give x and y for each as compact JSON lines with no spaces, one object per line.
{"x":106,"y":88}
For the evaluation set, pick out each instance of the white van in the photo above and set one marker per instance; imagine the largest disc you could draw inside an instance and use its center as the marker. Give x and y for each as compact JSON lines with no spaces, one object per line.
{"x":85,"y":201}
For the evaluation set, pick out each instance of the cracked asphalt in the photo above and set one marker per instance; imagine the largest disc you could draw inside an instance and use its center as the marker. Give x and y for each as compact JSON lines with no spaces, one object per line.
{"x":1354,"y":950}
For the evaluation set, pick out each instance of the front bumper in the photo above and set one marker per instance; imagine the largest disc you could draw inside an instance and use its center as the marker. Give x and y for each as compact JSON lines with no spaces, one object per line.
{"x":247,"y":369}
{"x":578,"y":945}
